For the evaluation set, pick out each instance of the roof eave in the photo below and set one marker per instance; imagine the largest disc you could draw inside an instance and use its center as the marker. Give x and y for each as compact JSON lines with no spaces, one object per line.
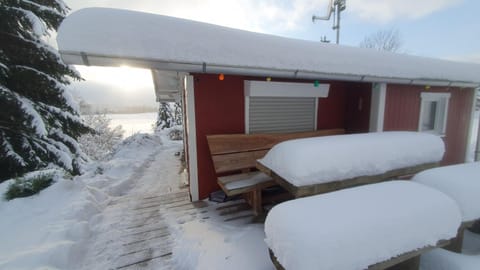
{"x":83,"y":58}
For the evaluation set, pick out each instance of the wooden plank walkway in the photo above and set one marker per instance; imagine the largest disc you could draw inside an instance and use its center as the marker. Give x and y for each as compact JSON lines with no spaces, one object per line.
{"x":145,"y":226}
{"x":146,"y":238}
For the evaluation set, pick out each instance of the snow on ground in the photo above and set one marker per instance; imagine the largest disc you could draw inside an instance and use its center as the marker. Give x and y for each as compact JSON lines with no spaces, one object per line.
{"x":216,"y":244}
{"x":54,"y":229}
{"x":133,"y":123}
{"x":74,"y":223}
{"x":349,"y":156}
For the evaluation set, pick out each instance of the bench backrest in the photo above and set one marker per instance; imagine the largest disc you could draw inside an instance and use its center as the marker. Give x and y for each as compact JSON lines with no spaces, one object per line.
{"x":233,"y":152}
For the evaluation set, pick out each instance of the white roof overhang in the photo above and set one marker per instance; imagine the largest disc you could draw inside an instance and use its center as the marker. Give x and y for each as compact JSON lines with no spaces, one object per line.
{"x":111,"y":37}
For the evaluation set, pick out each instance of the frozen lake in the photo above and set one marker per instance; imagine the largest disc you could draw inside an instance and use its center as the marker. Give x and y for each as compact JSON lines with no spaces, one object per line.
{"x":133,"y":123}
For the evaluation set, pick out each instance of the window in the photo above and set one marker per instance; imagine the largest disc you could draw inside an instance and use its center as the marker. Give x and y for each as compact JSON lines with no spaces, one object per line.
{"x":433,"y":112}
{"x":276,"y":107}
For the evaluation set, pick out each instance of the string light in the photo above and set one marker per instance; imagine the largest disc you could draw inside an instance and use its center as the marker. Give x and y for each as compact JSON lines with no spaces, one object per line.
{"x":427,"y":87}
{"x":316,"y":83}
{"x":221,"y":77}
{"x":269,"y":79}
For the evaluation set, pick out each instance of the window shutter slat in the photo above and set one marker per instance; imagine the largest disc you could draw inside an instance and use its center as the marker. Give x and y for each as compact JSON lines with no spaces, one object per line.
{"x":281,"y":114}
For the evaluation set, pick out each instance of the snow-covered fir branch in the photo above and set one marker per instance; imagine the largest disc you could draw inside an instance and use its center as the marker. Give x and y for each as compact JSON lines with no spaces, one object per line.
{"x":37,"y":120}
{"x":38,"y":26}
{"x":44,"y":8}
{"x":41,"y":73}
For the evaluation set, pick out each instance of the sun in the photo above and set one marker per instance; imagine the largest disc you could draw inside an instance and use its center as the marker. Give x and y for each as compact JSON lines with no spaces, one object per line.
{"x":124,"y":78}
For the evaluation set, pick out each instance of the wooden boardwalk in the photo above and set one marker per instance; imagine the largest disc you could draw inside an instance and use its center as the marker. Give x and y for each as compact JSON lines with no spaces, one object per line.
{"x":146,"y":228}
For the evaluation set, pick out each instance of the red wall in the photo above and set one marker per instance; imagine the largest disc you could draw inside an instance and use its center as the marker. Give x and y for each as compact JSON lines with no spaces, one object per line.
{"x":219,"y":109}
{"x":347,"y":106}
{"x":402,"y":110}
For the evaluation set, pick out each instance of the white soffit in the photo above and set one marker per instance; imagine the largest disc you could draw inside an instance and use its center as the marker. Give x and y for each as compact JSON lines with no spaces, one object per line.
{"x":285,"y":89}
{"x":167,"y":85}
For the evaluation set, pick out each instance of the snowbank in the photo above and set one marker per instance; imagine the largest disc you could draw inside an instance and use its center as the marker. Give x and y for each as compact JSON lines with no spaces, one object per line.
{"x":357,"y":227}
{"x":460,"y":182}
{"x":325,"y":159}
{"x":51,"y":230}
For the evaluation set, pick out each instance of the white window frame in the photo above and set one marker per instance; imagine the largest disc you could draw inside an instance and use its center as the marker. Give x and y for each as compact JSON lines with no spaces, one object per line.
{"x":442,"y":100}
{"x":282,"y":89}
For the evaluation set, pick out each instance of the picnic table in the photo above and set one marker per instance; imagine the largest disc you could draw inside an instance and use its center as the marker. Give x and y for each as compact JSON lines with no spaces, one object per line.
{"x":310,"y":166}
{"x":373,"y":226}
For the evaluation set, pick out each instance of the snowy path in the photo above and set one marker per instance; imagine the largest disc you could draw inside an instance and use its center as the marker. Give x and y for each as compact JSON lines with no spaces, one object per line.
{"x":132,"y":232}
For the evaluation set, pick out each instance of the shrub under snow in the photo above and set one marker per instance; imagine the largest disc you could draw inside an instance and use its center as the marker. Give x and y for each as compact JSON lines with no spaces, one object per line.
{"x":99,"y":144}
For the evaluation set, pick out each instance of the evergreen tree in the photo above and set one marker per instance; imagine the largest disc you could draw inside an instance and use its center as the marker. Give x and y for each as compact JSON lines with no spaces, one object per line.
{"x":177,"y":114}
{"x":165,"y":117}
{"x":39,"y":122}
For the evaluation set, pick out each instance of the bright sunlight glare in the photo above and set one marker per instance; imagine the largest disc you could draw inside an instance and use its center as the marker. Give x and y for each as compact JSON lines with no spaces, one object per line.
{"x":125,"y":78}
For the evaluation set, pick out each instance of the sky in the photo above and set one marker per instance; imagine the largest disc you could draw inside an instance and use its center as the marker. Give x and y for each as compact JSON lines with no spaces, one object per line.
{"x":448,"y":29}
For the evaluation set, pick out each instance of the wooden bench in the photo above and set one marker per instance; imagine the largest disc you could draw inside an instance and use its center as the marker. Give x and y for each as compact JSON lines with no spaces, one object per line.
{"x":235,"y":156}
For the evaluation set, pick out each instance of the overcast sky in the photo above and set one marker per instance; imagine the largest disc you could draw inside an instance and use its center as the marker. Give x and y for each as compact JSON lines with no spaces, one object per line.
{"x":447,"y":29}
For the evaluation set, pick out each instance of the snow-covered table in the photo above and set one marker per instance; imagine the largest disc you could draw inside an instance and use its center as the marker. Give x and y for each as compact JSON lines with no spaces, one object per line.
{"x":372,"y":226}
{"x":462,"y":184}
{"x":311,"y":166}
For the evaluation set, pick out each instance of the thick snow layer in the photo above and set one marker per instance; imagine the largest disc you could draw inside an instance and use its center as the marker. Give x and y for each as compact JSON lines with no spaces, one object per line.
{"x":120,"y":34}
{"x":357,"y":227}
{"x":460,"y":182}
{"x":53,"y":230}
{"x":324,"y":159}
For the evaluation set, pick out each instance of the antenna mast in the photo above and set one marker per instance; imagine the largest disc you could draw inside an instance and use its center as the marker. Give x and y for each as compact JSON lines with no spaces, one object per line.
{"x":336,"y":7}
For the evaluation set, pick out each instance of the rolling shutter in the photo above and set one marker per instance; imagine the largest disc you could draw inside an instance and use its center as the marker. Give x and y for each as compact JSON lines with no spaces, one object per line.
{"x":281,"y":114}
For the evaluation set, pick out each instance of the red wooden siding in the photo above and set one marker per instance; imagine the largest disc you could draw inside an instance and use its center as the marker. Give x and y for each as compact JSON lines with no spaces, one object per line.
{"x":402,"y":110}
{"x":331,"y":110}
{"x":220,"y":109}
{"x":347,"y":106}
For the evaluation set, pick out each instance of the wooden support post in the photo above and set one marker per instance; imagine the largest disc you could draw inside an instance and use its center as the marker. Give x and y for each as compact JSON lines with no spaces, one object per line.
{"x":457,"y":242}
{"x":410,"y":264}
{"x":257,"y":201}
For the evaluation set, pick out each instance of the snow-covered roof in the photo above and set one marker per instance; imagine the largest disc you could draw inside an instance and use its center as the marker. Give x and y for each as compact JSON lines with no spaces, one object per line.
{"x":112,"y":37}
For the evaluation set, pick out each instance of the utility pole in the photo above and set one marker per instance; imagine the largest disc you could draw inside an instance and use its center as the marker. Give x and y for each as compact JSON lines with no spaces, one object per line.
{"x":336,"y":7}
